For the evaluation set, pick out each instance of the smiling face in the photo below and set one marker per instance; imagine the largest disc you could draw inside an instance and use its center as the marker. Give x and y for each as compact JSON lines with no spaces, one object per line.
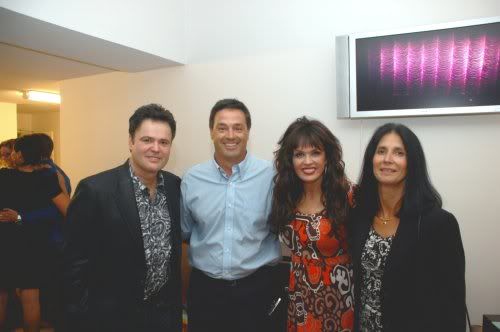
{"x":389,"y":161}
{"x":309,"y":163}
{"x":150,"y":148}
{"x":230,"y":136}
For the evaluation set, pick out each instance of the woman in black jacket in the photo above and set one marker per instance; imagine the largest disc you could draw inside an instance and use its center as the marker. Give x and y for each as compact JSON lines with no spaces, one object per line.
{"x":407,"y":251}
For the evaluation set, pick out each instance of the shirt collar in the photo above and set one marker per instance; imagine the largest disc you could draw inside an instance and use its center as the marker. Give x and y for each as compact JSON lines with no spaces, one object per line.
{"x":238,"y":169}
{"x":159,"y":181}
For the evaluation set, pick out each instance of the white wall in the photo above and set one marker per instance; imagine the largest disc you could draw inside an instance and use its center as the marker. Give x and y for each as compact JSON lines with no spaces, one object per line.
{"x":152,"y":26}
{"x":278,"y":57}
{"x":94,"y":123}
{"x":8,"y":121}
{"x":224,"y":28}
{"x":24,"y":122}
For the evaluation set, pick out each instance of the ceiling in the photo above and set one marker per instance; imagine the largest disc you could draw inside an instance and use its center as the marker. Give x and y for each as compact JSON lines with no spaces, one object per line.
{"x":37,"y":55}
{"x":23,"y":69}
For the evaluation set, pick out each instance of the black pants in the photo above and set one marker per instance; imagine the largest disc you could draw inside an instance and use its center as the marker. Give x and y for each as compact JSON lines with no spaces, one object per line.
{"x":149,"y":316}
{"x":221,"y":305}
{"x":159,"y":317}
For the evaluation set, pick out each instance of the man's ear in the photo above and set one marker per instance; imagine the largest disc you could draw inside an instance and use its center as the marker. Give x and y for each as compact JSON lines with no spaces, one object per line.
{"x":130,"y":142}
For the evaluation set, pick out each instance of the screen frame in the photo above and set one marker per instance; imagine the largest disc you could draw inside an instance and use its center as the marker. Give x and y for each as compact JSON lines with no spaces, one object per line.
{"x":410,"y":112}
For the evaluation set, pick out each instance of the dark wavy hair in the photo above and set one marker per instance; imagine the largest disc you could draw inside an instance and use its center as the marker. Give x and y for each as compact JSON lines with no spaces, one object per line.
{"x":46,"y":144}
{"x":289,"y":188}
{"x":30,"y":150}
{"x":419,"y":193}
{"x":154,"y":112}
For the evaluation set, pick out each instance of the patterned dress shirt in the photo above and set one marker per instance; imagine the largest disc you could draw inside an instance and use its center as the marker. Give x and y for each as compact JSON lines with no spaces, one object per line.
{"x":156,"y":233}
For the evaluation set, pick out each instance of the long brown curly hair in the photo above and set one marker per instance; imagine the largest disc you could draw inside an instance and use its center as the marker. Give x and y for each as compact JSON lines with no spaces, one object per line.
{"x":289,"y":188}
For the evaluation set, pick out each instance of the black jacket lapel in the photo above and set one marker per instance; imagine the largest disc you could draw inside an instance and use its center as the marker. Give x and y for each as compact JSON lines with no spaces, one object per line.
{"x":404,"y":242}
{"x":127,"y":205}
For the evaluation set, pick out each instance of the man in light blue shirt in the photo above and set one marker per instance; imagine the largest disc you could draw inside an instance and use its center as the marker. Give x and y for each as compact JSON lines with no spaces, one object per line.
{"x":224,"y":209}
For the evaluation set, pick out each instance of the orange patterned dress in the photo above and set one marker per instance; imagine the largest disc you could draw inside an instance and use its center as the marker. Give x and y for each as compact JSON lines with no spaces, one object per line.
{"x":321,"y":277}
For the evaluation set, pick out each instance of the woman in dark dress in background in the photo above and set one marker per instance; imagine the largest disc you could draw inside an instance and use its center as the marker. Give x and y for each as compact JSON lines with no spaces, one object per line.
{"x":24,"y":247}
{"x":407,"y":251}
{"x":309,"y":211}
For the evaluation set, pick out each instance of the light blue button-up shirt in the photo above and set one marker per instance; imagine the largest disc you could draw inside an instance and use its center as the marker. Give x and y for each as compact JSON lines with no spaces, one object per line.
{"x":225,"y":218}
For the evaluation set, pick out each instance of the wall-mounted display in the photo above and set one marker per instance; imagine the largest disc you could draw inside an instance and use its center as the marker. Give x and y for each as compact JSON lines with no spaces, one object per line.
{"x":434,"y":70}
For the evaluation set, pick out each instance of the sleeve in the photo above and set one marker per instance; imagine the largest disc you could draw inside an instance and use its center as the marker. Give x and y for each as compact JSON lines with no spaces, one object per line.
{"x":49,"y":213}
{"x":451,"y":262}
{"x":80,"y":218}
{"x":51,"y":183}
{"x":67,"y":181}
{"x":186,"y":219}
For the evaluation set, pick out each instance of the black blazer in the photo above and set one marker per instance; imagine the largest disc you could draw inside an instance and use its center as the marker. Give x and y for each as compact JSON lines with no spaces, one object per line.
{"x":104,"y":261}
{"x":423,"y":287}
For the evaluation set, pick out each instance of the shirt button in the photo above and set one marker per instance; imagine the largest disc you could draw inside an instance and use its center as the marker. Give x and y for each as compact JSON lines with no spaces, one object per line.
{"x":229,"y":205}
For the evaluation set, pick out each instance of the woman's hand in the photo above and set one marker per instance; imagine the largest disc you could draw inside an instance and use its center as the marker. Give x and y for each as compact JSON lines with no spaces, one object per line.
{"x":8,"y":215}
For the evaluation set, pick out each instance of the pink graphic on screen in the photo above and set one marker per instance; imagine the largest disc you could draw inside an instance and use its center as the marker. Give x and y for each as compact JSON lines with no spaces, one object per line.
{"x":462,"y":63}
{"x":453,"y":67}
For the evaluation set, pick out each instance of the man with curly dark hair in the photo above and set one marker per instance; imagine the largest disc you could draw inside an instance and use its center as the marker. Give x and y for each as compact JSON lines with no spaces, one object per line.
{"x":122,"y":257}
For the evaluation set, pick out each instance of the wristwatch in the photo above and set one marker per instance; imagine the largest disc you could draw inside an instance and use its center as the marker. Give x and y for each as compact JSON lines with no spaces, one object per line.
{"x":19,"y":220}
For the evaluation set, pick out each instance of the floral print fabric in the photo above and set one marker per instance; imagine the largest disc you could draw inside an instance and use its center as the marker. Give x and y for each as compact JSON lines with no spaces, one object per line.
{"x":373,"y":259}
{"x":156,"y":227}
{"x":321,"y":277}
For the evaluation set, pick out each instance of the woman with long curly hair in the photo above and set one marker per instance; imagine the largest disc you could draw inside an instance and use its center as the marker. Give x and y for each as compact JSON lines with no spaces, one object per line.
{"x":309,"y":210}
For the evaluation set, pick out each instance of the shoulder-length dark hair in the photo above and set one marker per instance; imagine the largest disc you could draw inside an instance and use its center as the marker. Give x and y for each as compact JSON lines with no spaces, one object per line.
{"x":30,"y":149}
{"x":288,"y":187}
{"x":419,"y":193}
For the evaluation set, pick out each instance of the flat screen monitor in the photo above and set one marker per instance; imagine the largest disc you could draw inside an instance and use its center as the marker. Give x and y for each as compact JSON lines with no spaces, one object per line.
{"x":442,"y":69}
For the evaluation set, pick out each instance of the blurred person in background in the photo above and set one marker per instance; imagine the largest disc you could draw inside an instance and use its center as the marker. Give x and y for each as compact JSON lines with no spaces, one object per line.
{"x":54,"y":291}
{"x":25,"y":189}
{"x":5,"y":152}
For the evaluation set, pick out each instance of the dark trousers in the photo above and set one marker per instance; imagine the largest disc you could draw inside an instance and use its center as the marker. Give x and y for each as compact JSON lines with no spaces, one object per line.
{"x":159,"y":317}
{"x":221,"y":305}
{"x":150,"y":316}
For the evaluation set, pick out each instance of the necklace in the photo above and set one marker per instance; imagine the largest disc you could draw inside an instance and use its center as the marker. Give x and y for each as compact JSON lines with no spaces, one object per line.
{"x":384,"y":220}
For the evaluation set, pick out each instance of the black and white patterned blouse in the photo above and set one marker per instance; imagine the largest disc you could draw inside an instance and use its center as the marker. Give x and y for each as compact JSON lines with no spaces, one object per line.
{"x":373,"y":260}
{"x":156,"y":233}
